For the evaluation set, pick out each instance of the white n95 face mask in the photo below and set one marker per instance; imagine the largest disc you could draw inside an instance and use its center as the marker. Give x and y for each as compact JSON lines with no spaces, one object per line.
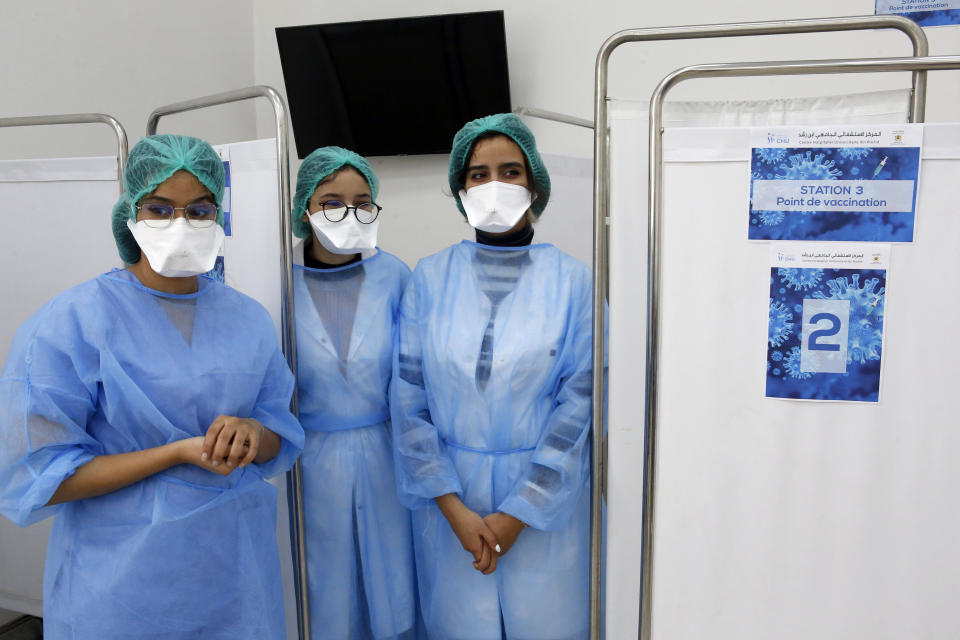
{"x":344,"y":237}
{"x":179,"y":250}
{"x":495,"y":207}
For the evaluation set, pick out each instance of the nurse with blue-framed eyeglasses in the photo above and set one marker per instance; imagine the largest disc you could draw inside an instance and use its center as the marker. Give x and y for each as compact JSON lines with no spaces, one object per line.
{"x":144,"y":409}
{"x":160,"y":215}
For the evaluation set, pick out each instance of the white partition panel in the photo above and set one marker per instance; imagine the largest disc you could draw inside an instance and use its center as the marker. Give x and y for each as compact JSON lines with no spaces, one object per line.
{"x":56,"y":234}
{"x":252,"y":251}
{"x":567,"y":222}
{"x":56,"y":231}
{"x":777,"y":519}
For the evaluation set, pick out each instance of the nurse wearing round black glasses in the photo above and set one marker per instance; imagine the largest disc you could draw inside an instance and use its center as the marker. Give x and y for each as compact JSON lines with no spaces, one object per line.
{"x":347,"y":290}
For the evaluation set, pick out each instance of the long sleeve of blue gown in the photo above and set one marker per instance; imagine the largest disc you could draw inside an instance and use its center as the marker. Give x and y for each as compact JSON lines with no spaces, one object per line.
{"x":48,"y":392}
{"x":423,"y":465}
{"x":272,"y":410}
{"x":547,"y":492}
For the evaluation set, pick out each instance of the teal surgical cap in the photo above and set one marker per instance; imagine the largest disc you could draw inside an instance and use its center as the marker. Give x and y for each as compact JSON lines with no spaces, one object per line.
{"x":512,"y":127}
{"x":151,"y":161}
{"x":321,"y":164}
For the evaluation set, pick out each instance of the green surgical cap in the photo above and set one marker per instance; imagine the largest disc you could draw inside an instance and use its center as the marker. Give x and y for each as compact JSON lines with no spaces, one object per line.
{"x":511,"y":126}
{"x":151,"y":161}
{"x":319,"y":165}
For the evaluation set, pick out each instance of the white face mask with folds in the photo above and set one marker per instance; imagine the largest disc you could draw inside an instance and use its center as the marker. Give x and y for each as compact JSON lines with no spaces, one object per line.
{"x":344,"y":237}
{"x":495,"y":207}
{"x":178,"y":250}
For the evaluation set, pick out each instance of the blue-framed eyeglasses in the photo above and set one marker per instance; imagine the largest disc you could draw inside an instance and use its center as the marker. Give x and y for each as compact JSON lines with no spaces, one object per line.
{"x":159,"y":215}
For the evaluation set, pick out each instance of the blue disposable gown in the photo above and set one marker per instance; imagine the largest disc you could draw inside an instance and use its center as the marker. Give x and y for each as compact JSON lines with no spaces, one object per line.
{"x":357,"y":534}
{"x":111,"y":366}
{"x":511,"y":436}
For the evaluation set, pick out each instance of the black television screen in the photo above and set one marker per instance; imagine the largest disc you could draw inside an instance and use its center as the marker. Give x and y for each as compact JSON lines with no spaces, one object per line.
{"x":389,"y":87}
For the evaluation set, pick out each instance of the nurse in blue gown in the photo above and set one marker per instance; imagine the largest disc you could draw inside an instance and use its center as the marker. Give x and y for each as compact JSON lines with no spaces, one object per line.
{"x":357,"y":534}
{"x":491,"y":407}
{"x":145,"y":409}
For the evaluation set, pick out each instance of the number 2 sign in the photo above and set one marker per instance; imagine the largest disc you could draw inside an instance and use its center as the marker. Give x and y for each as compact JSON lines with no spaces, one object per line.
{"x":824,"y":334}
{"x":825,"y":326}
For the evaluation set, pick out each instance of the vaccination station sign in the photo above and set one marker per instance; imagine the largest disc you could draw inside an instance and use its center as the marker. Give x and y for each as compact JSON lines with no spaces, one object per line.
{"x":844,"y":183}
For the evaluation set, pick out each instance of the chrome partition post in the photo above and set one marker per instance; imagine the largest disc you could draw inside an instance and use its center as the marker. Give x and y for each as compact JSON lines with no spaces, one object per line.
{"x":544,"y":114}
{"x":601,"y":190}
{"x":601,"y":215}
{"x":751,"y":69}
{"x":288,"y":326}
{"x":80,"y":118}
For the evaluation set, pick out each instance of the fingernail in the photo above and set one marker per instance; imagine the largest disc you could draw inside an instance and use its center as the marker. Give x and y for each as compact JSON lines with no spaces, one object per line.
{"x":216,"y":462}
{"x":229,"y":463}
{"x":204,"y":455}
{"x":497,"y":548}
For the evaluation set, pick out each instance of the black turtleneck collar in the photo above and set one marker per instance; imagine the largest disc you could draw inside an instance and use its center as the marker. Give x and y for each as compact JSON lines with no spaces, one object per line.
{"x":313,"y":263}
{"x":519,"y":238}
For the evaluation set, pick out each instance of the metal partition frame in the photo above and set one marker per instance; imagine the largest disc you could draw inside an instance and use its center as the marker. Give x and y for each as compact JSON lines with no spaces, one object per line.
{"x":545,"y":114}
{"x":288,"y":327}
{"x":601,"y":213}
{"x":80,"y":118}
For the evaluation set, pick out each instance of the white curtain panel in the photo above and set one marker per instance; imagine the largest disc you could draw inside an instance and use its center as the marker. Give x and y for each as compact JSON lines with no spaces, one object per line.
{"x":567,"y":222}
{"x":777,"y":519}
{"x":56,"y":231}
{"x":252,"y":252}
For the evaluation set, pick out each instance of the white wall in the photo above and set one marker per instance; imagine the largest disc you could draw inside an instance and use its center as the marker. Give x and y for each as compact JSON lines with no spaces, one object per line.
{"x":123,"y":58}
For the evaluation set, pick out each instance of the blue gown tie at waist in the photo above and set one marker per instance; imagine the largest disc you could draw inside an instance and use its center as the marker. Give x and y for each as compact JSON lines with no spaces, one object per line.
{"x":344,"y":424}
{"x":489,"y":452}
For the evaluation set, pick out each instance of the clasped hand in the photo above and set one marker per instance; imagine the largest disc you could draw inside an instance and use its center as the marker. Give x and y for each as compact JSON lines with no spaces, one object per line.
{"x":485,"y":538}
{"x":230,"y":443}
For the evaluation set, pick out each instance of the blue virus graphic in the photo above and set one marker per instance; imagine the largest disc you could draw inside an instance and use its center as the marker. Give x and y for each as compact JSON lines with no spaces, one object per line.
{"x":866,"y":315}
{"x":806,"y":166}
{"x":771,"y":218}
{"x":855,"y":153}
{"x":792,"y":365}
{"x":776,"y":356}
{"x":770,"y":155}
{"x":781,"y":325}
{"x":800,"y":279}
